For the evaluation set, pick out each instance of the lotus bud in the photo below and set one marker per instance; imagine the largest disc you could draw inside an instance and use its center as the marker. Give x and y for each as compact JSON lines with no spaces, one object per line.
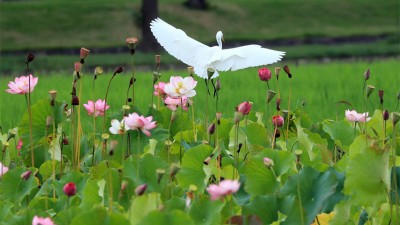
{"x":264,"y":74}
{"x":139,"y":190}
{"x":278,"y":121}
{"x":173,"y":170}
{"x":124,"y":185}
{"x":77,"y":67}
{"x":25,"y":175}
{"x":366,"y":74}
{"x":268,"y":162}
{"x":160,"y":174}
{"x":70,"y":189}
{"x":277,"y":70}
{"x":218,"y":85}
{"x":287,"y":71}
{"x":270,"y":95}
{"x":370,"y":89}
{"x":211,"y":129}
{"x":380,"y":93}
{"x":30,"y":58}
{"x":119,"y":69}
{"x":19,"y":145}
{"x":385,"y":115}
{"x":244,"y":107}
{"x":75,"y":100}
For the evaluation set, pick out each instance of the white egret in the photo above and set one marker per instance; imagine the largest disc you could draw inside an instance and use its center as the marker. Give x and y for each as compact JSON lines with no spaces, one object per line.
{"x":203,"y":57}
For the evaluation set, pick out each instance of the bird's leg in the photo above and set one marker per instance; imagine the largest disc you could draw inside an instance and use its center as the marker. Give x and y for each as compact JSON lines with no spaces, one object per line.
{"x":215,"y":90}
{"x":208,"y":91}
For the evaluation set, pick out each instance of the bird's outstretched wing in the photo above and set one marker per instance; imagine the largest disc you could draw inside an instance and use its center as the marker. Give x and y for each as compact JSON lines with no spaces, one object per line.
{"x":246,"y":56}
{"x":176,"y":42}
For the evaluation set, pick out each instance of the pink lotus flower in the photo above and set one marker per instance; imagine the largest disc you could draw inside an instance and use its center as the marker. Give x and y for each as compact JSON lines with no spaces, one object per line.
{"x":179,"y":86}
{"x":264,"y":74}
{"x":244,"y":107}
{"x":136,"y":122}
{"x":224,"y":188}
{"x":3,"y":169}
{"x":278,"y":120}
{"x":37,"y":220}
{"x":70,"y":189}
{"x":159,"y":89}
{"x":118,"y":127}
{"x":19,"y":145}
{"x":21,"y":85}
{"x":96,"y":108}
{"x":174,"y":103}
{"x":353,"y":116}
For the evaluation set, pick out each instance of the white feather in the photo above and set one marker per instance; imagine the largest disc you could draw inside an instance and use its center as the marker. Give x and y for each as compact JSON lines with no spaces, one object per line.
{"x":203,"y":57}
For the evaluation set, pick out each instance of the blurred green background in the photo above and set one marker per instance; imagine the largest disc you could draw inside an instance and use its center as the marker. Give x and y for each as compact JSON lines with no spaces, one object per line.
{"x":310,"y":29}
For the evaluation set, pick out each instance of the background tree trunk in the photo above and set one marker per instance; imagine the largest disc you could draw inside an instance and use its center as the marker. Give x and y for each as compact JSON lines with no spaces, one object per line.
{"x":197,"y":4}
{"x":149,"y":12}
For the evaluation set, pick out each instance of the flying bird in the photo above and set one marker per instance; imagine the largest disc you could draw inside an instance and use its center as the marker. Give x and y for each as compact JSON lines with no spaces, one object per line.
{"x":202,"y":57}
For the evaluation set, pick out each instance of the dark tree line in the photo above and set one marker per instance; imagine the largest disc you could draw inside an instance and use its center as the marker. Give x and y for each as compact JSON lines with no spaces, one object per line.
{"x":149,"y":11}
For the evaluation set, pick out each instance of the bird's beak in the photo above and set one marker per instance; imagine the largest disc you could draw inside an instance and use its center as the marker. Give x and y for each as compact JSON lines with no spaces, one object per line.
{"x":222,"y":38}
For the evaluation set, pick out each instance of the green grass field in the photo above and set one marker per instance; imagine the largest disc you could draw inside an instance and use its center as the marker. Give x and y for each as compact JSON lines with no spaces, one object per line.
{"x":103,"y":23}
{"x":319,"y":85}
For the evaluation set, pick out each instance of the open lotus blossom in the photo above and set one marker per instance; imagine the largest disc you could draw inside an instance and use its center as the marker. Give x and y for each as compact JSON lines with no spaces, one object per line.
{"x":179,"y":86}
{"x":118,"y":127}
{"x":224,"y":188}
{"x":353,"y":116}
{"x":174,"y":103}
{"x":37,"y":220}
{"x":3,"y":169}
{"x":97,"y":108}
{"x":244,"y":107}
{"x":159,"y":89}
{"x":136,"y":122}
{"x":21,"y":85}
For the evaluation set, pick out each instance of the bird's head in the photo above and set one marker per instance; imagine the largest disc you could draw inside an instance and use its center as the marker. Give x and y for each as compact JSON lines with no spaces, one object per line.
{"x":220,"y":38}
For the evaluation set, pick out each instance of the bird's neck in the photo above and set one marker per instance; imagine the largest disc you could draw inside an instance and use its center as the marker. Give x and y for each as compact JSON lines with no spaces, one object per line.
{"x":219,"y":43}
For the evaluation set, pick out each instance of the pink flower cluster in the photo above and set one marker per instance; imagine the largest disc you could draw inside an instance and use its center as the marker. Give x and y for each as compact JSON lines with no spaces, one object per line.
{"x":354,"y":116}
{"x":37,"y":220}
{"x":133,"y":122}
{"x":97,"y":108}
{"x":21,"y":85}
{"x":177,"y":92}
{"x":224,"y":188}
